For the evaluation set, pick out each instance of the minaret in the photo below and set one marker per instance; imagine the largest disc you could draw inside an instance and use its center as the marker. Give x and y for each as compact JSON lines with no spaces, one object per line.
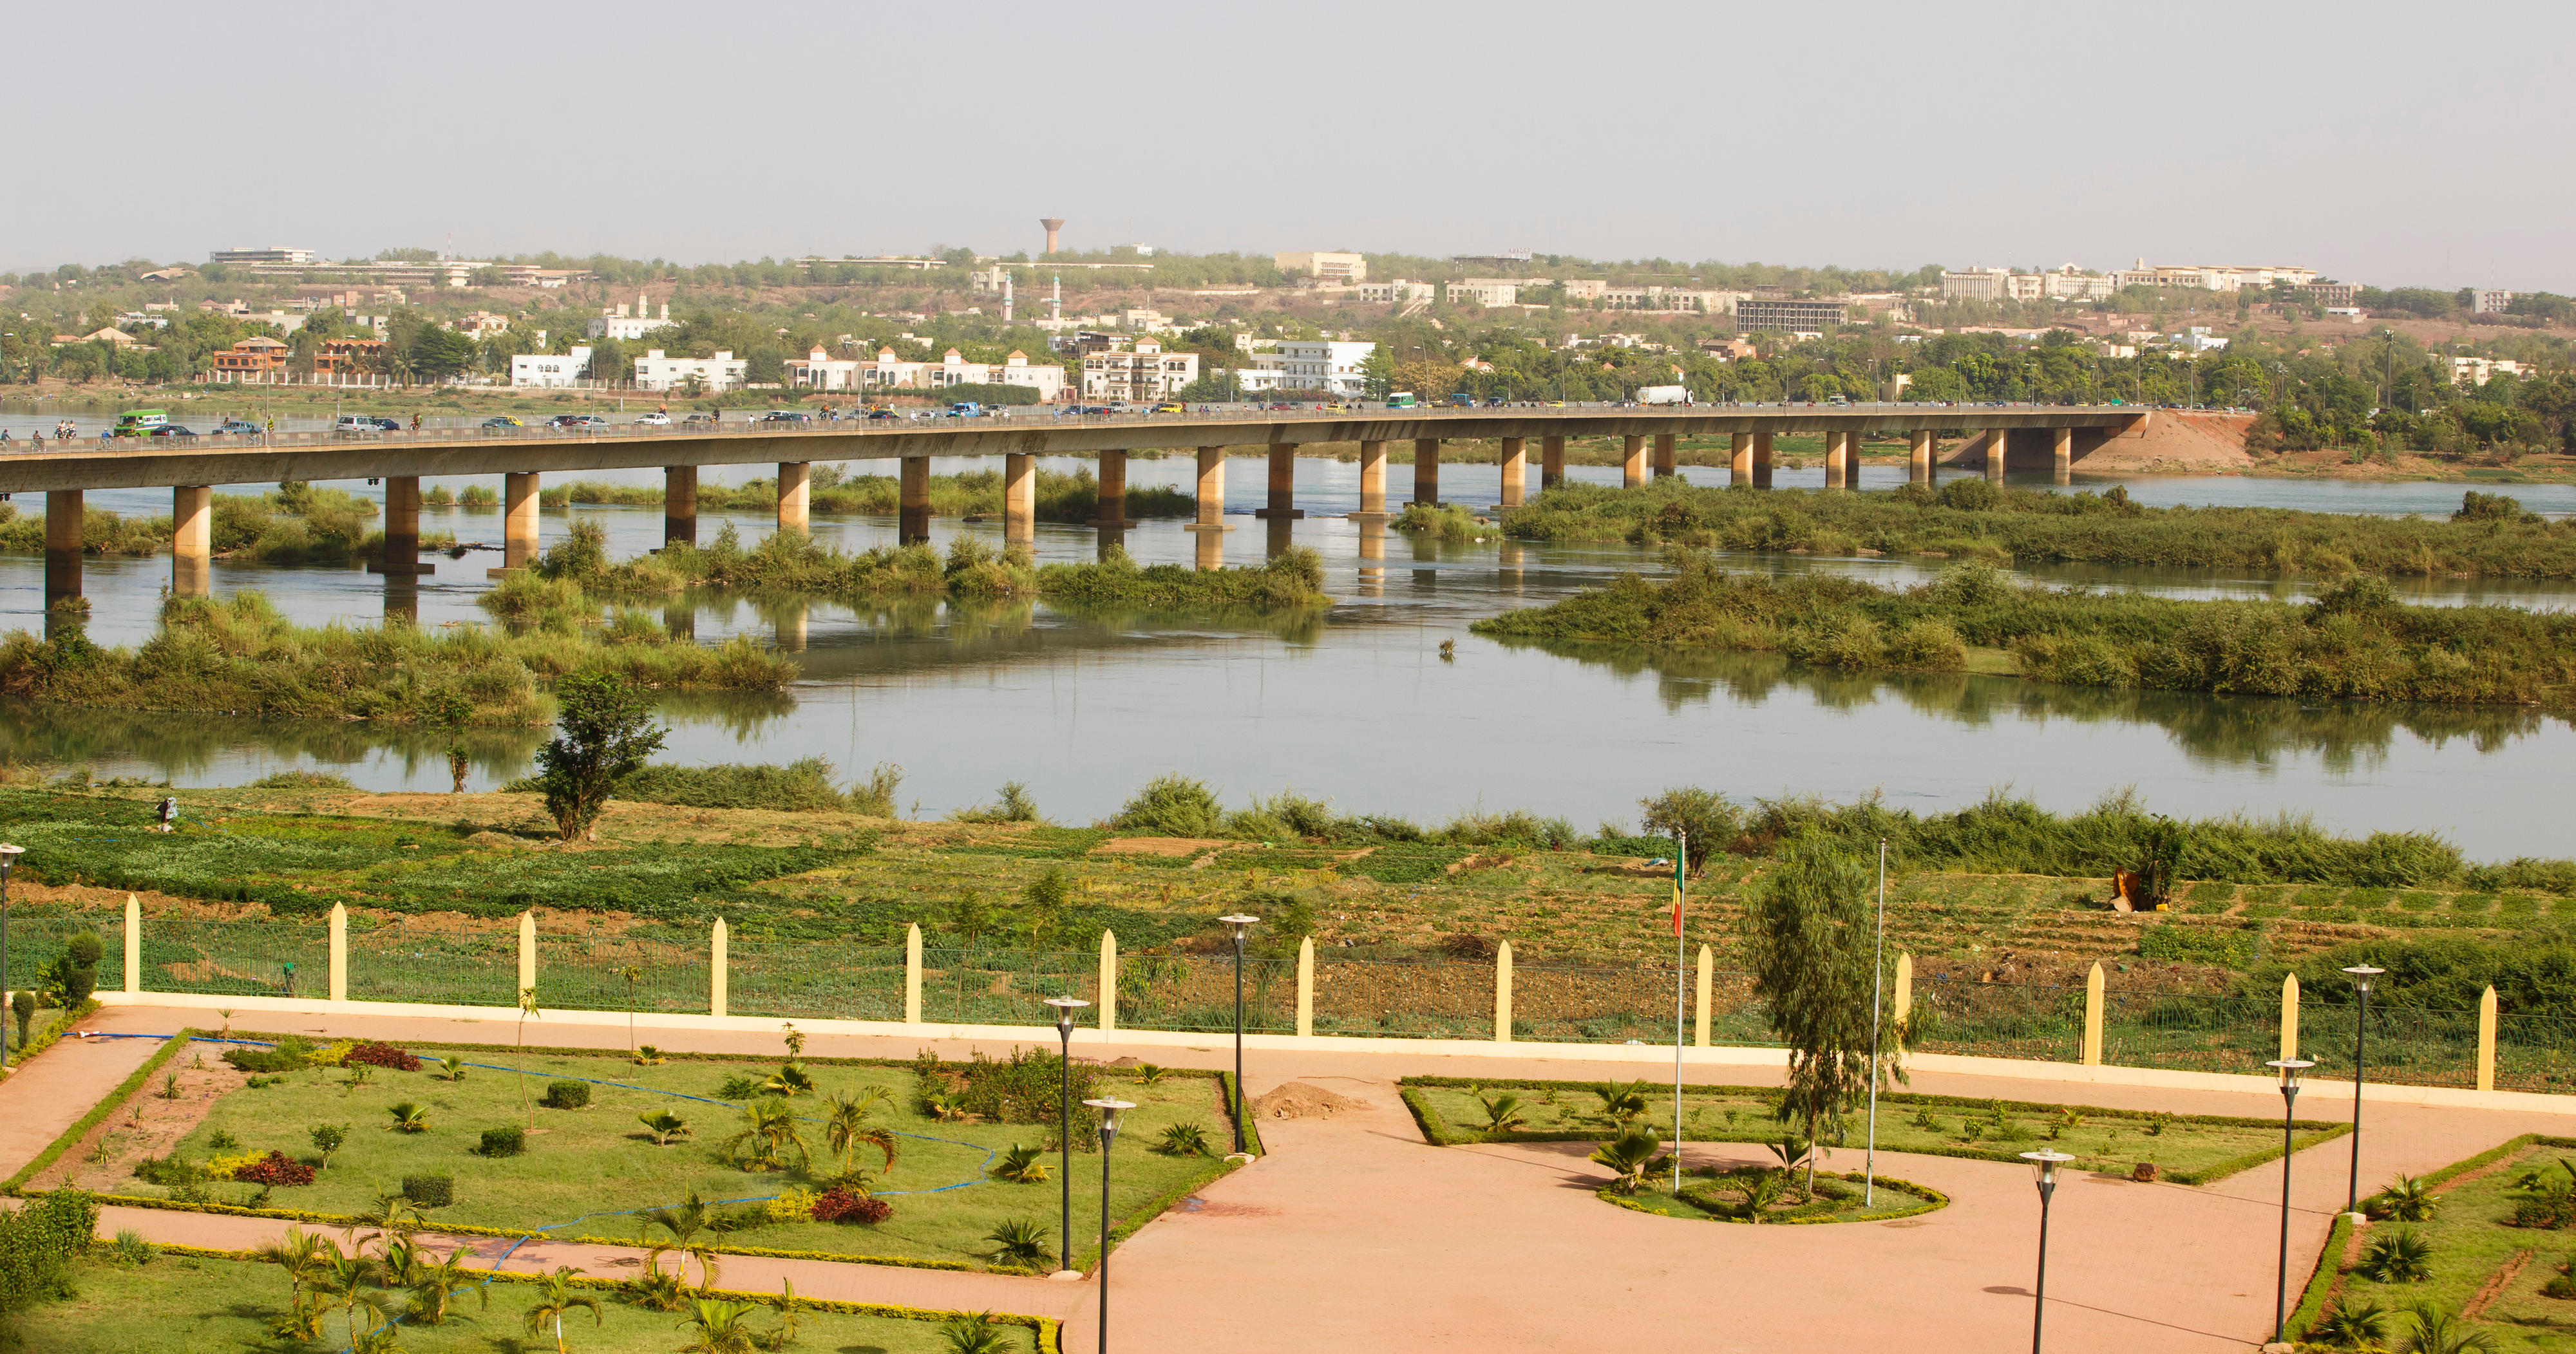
{"x":1055,"y":303}
{"x":1006,"y":297}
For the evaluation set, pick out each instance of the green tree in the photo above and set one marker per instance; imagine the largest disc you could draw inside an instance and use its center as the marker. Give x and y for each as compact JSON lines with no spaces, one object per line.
{"x":1807,"y":937}
{"x":555,"y":1297}
{"x":605,"y":733}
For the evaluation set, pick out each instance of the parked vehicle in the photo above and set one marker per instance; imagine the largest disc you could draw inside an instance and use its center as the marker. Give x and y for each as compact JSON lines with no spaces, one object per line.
{"x":138,"y":422}
{"x":701,"y":418}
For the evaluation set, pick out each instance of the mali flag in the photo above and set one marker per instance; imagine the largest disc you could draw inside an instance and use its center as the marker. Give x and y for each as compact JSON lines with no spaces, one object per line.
{"x":1680,"y":859}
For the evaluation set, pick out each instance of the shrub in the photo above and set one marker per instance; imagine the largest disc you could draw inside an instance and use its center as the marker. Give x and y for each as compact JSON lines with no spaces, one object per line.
{"x":434,"y":1189}
{"x":167,"y":1172}
{"x":1183,"y":1140}
{"x":291,"y":1053}
{"x":2400,"y":1256}
{"x":841,"y":1204}
{"x":302,"y":780}
{"x":74,"y":973}
{"x":504,"y":1142}
{"x":799,"y":786}
{"x":795,"y":1205}
{"x":741,"y":1087}
{"x":1171,"y":805}
{"x":277,"y":1168}
{"x":36,"y":1246}
{"x":565,"y":1095}
{"x":383,"y":1055}
{"x":1021,"y":1165}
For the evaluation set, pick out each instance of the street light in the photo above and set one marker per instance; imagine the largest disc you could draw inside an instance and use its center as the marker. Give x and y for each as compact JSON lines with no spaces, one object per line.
{"x":2361,"y":976}
{"x":1109,"y":1109}
{"x":2043,"y":1167}
{"x":8,"y":860}
{"x":1064,"y":1009}
{"x":1242,"y":927}
{"x":2290,"y":1069}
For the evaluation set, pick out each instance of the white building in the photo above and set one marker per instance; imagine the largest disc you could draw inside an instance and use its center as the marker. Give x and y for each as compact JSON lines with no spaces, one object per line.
{"x":1142,"y":373}
{"x":617,"y":324}
{"x":818,"y":370}
{"x":2197,"y":339}
{"x":2477,"y":370}
{"x":716,"y":374}
{"x":2215,"y":277}
{"x":1398,"y":291}
{"x":1483,"y":291}
{"x":550,"y":369}
{"x":2000,"y":284}
{"x":2489,"y":301}
{"x":1325,"y":267}
{"x":1308,"y":364}
{"x":1613,"y":297}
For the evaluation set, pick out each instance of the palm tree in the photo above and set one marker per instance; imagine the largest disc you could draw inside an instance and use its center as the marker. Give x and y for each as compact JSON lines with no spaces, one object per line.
{"x":1628,"y":1156}
{"x":452,"y":1069}
{"x":633,"y":974}
{"x":556,"y":1296}
{"x":1020,"y":1241}
{"x":684,"y":1223}
{"x":790,"y":1080}
{"x":1021,"y":1165}
{"x":847,"y":1126}
{"x":527,"y":1008}
{"x":349,"y":1281}
{"x":723,"y":1328}
{"x":974,"y":1333}
{"x":299,"y":1253}
{"x":433,"y":1283}
{"x":408,"y":1117}
{"x":769,"y":1129}
{"x":664,"y":1126}
{"x":1621,"y":1103}
{"x":2435,"y":1329}
{"x":1502,"y":1112}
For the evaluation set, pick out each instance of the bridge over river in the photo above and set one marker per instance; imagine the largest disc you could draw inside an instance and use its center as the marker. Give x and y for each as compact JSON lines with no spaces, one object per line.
{"x":190,"y":467}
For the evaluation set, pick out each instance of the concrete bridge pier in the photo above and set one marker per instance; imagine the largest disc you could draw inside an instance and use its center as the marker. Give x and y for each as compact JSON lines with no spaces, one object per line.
{"x":1632,"y":462}
{"x":1918,"y":458}
{"x":192,"y":537}
{"x":1280,"y":536}
{"x":1515,"y":471}
{"x":1426,"y":471}
{"x":518,"y":523}
{"x":680,"y":504}
{"x":1019,"y":498}
{"x":402,"y":599}
{"x":402,"y":530}
{"x":795,"y":495}
{"x":1282,"y":503}
{"x":1762,"y":458}
{"x":1372,"y":483}
{"x":1372,"y":575}
{"x":2065,"y":460}
{"x":1838,"y":460}
{"x":1739,"y":460}
{"x":1210,"y":554}
{"x":63,"y":509}
{"x":1111,"y":514}
{"x":1667,"y":456}
{"x":1551,"y":463}
{"x":913,"y":522}
{"x":789,"y":627}
{"x":1210,"y":528}
{"x":1998,"y":448}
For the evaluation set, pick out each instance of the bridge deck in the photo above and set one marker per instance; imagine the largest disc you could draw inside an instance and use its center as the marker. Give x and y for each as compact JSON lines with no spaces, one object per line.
{"x":152,"y":463}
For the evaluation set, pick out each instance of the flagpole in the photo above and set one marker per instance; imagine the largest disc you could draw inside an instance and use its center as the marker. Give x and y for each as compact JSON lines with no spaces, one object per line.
{"x":1877,"y":974}
{"x":1681,"y":862}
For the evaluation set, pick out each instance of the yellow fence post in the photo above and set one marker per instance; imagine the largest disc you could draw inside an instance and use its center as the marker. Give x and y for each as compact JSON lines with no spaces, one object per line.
{"x":1306,"y":987}
{"x":339,"y":952}
{"x":527,"y":951}
{"x":1503,"y":993}
{"x":2486,"y":1039}
{"x":1707,"y":984}
{"x":2289,"y":1016}
{"x":716,"y":974}
{"x":1904,"y":1007}
{"x":133,"y":944}
{"x":2093,"y":1017}
{"x":1108,"y":982}
{"x":912,"y":974}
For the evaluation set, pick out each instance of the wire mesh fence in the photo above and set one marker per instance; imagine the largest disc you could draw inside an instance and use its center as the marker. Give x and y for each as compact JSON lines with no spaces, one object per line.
{"x":816,"y":981}
{"x":979,"y":986}
{"x":618,"y":973}
{"x":2187,"y":1032}
{"x":36,"y":941}
{"x":1404,"y":1000}
{"x":1192,"y":992}
{"x":427,"y":963}
{"x":1999,"y":1020}
{"x":236,"y":958}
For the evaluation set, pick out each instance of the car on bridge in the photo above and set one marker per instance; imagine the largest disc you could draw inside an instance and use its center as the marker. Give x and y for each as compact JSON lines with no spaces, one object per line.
{"x":502,"y":421}
{"x":234,"y":427}
{"x":656,"y":419}
{"x":170,"y":430}
{"x":355,"y":425}
{"x":576,"y":421}
{"x":1169,"y":409}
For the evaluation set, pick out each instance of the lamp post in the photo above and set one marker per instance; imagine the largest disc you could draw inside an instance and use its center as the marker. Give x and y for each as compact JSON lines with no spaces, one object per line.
{"x":2290,"y":1069}
{"x":2043,"y":1167}
{"x":8,"y":861}
{"x":1242,"y":927}
{"x":1109,"y":1109}
{"x":2361,"y":976}
{"x":1064,"y":1009}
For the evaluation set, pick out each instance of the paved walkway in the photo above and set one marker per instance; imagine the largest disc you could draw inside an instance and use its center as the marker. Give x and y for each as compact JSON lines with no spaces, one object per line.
{"x":1354,"y":1234}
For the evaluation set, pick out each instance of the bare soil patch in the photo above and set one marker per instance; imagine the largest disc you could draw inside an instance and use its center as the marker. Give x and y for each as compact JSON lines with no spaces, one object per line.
{"x":1298,"y":1100}
{"x":1159,"y":846}
{"x":149,"y":1125}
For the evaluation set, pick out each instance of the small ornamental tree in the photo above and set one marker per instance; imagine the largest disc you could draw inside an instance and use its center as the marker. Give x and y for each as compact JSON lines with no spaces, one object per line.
{"x":1807,"y":935}
{"x":605,"y":733}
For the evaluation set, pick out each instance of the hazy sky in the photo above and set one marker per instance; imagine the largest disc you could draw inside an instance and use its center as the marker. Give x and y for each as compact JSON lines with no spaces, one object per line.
{"x":2395,"y":144}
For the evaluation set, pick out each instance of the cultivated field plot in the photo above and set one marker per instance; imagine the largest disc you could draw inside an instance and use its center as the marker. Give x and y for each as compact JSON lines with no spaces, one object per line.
{"x":597,"y":1169}
{"x":2194,"y":1149}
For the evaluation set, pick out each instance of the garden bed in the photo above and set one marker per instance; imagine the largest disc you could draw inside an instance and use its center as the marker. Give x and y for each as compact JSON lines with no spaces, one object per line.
{"x":593,"y":1171}
{"x":2190,"y":1149}
{"x":2489,"y":1253}
{"x":1770,"y":1196}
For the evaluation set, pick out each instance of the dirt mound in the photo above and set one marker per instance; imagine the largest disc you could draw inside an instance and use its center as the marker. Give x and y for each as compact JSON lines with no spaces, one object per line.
{"x":1297,"y":1100}
{"x":1159,"y":846}
{"x":2176,"y":442}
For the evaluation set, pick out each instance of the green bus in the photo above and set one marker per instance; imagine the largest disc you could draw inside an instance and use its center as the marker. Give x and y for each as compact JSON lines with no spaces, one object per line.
{"x":1401,"y":399}
{"x":139,"y":422}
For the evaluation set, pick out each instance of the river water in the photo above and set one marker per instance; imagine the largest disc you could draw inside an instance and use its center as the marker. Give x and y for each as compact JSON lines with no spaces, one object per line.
{"x":1361,"y":706}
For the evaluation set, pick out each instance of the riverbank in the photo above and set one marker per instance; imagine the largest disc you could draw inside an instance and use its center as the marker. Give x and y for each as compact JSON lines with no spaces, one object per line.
{"x":2354,"y":642}
{"x":1972,"y":518}
{"x":239,"y":656}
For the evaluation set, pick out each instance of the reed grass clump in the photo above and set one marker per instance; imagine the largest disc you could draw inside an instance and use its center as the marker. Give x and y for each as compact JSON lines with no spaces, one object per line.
{"x":2354,"y":641}
{"x":832,"y":491}
{"x":801,"y":786}
{"x":1973,"y":519}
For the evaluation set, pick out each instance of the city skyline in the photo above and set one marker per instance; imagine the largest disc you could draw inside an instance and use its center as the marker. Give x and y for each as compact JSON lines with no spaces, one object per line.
{"x":1962,"y":138}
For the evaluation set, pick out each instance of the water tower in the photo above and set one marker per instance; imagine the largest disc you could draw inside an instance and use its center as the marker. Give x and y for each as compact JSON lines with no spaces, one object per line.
{"x":1054,"y":225}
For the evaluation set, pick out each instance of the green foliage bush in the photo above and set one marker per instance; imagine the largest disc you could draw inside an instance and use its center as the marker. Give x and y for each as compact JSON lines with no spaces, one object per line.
{"x":37,"y":1243}
{"x":800,"y":786}
{"x":303,"y":780}
{"x":565,"y":1095}
{"x":431,"y":1189}
{"x":1171,"y":805}
{"x":2225,"y":946}
{"x":508,"y":1141}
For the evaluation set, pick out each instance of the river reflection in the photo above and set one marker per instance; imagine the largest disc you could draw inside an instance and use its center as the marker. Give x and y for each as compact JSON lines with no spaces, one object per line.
{"x":1359,"y":703}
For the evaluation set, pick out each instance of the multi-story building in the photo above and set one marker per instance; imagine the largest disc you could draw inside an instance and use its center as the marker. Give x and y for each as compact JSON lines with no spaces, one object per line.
{"x":1398,"y":291}
{"x":716,"y":374}
{"x":2215,"y":277}
{"x":1727,"y":349}
{"x":617,"y":324}
{"x":1308,"y":364}
{"x":818,"y":370}
{"x":1975,"y":284}
{"x":1756,"y":314}
{"x":2479,"y":370}
{"x":2489,"y":301}
{"x":1142,"y":373}
{"x":345,"y":357}
{"x":1332,"y":268}
{"x":481,"y":324}
{"x":2332,"y":294}
{"x":2002,"y":284}
{"x":1613,"y":297}
{"x":1482,"y":291}
{"x":274,"y":254}
{"x":252,"y":359}
{"x":551,"y":369}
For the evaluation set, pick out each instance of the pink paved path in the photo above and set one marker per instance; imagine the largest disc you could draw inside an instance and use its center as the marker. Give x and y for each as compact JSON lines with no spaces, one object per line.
{"x":1356,"y":1235}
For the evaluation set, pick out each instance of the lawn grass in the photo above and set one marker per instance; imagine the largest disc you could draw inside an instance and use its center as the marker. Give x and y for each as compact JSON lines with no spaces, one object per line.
{"x":179,"y":1304}
{"x":2474,"y":1240}
{"x":1719,"y":1194}
{"x":2195,"y":1149}
{"x":591,"y":1171}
